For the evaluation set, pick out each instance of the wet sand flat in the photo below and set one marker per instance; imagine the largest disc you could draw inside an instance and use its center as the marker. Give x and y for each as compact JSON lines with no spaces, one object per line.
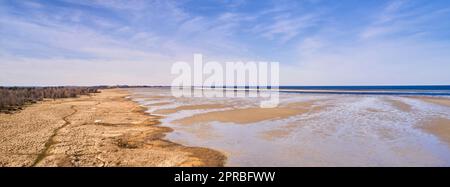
{"x":314,"y":129}
{"x":401,"y":105}
{"x":189,"y":107}
{"x":243,"y":116}
{"x":439,"y":127}
{"x":104,"y":129}
{"x":439,"y":101}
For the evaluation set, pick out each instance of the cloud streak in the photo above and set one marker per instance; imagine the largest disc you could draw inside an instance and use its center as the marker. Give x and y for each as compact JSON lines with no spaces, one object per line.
{"x":135,"y":42}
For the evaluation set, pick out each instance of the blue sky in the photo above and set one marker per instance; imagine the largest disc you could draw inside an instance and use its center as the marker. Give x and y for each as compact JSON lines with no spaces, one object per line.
{"x":317,"y":42}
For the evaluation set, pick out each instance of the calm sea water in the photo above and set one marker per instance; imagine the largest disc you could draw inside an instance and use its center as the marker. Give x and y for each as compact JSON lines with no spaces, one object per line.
{"x":378,"y":90}
{"x":430,"y":90}
{"x":417,"y":87}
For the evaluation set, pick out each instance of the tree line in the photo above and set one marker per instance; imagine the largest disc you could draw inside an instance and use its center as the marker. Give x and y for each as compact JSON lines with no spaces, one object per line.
{"x":13,"y":98}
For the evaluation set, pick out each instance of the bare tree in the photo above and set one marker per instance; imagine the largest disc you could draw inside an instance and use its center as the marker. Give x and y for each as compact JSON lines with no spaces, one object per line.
{"x":13,"y":98}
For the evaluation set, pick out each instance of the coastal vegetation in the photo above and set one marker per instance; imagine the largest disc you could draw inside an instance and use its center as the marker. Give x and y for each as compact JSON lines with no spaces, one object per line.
{"x":14,"y":98}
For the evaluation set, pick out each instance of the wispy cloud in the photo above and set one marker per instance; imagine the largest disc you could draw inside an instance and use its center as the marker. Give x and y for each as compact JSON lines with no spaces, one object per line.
{"x":404,"y":18}
{"x":125,"y":40}
{"x":285,"y":27}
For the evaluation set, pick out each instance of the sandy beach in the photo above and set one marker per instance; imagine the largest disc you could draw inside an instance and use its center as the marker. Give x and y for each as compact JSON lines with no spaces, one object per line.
{"x":104,"y":129}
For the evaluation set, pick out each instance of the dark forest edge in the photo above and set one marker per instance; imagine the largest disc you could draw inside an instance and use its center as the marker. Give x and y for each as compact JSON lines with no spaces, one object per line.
{"x":16,"y":98}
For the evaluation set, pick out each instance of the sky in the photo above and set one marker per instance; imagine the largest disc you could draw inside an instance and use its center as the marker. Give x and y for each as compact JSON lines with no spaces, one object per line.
{"x":134,"y":42}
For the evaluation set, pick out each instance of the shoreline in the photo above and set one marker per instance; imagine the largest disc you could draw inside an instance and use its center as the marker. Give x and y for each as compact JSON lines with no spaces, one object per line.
{"x":104,"y":129}
{"x":208,"y":157}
